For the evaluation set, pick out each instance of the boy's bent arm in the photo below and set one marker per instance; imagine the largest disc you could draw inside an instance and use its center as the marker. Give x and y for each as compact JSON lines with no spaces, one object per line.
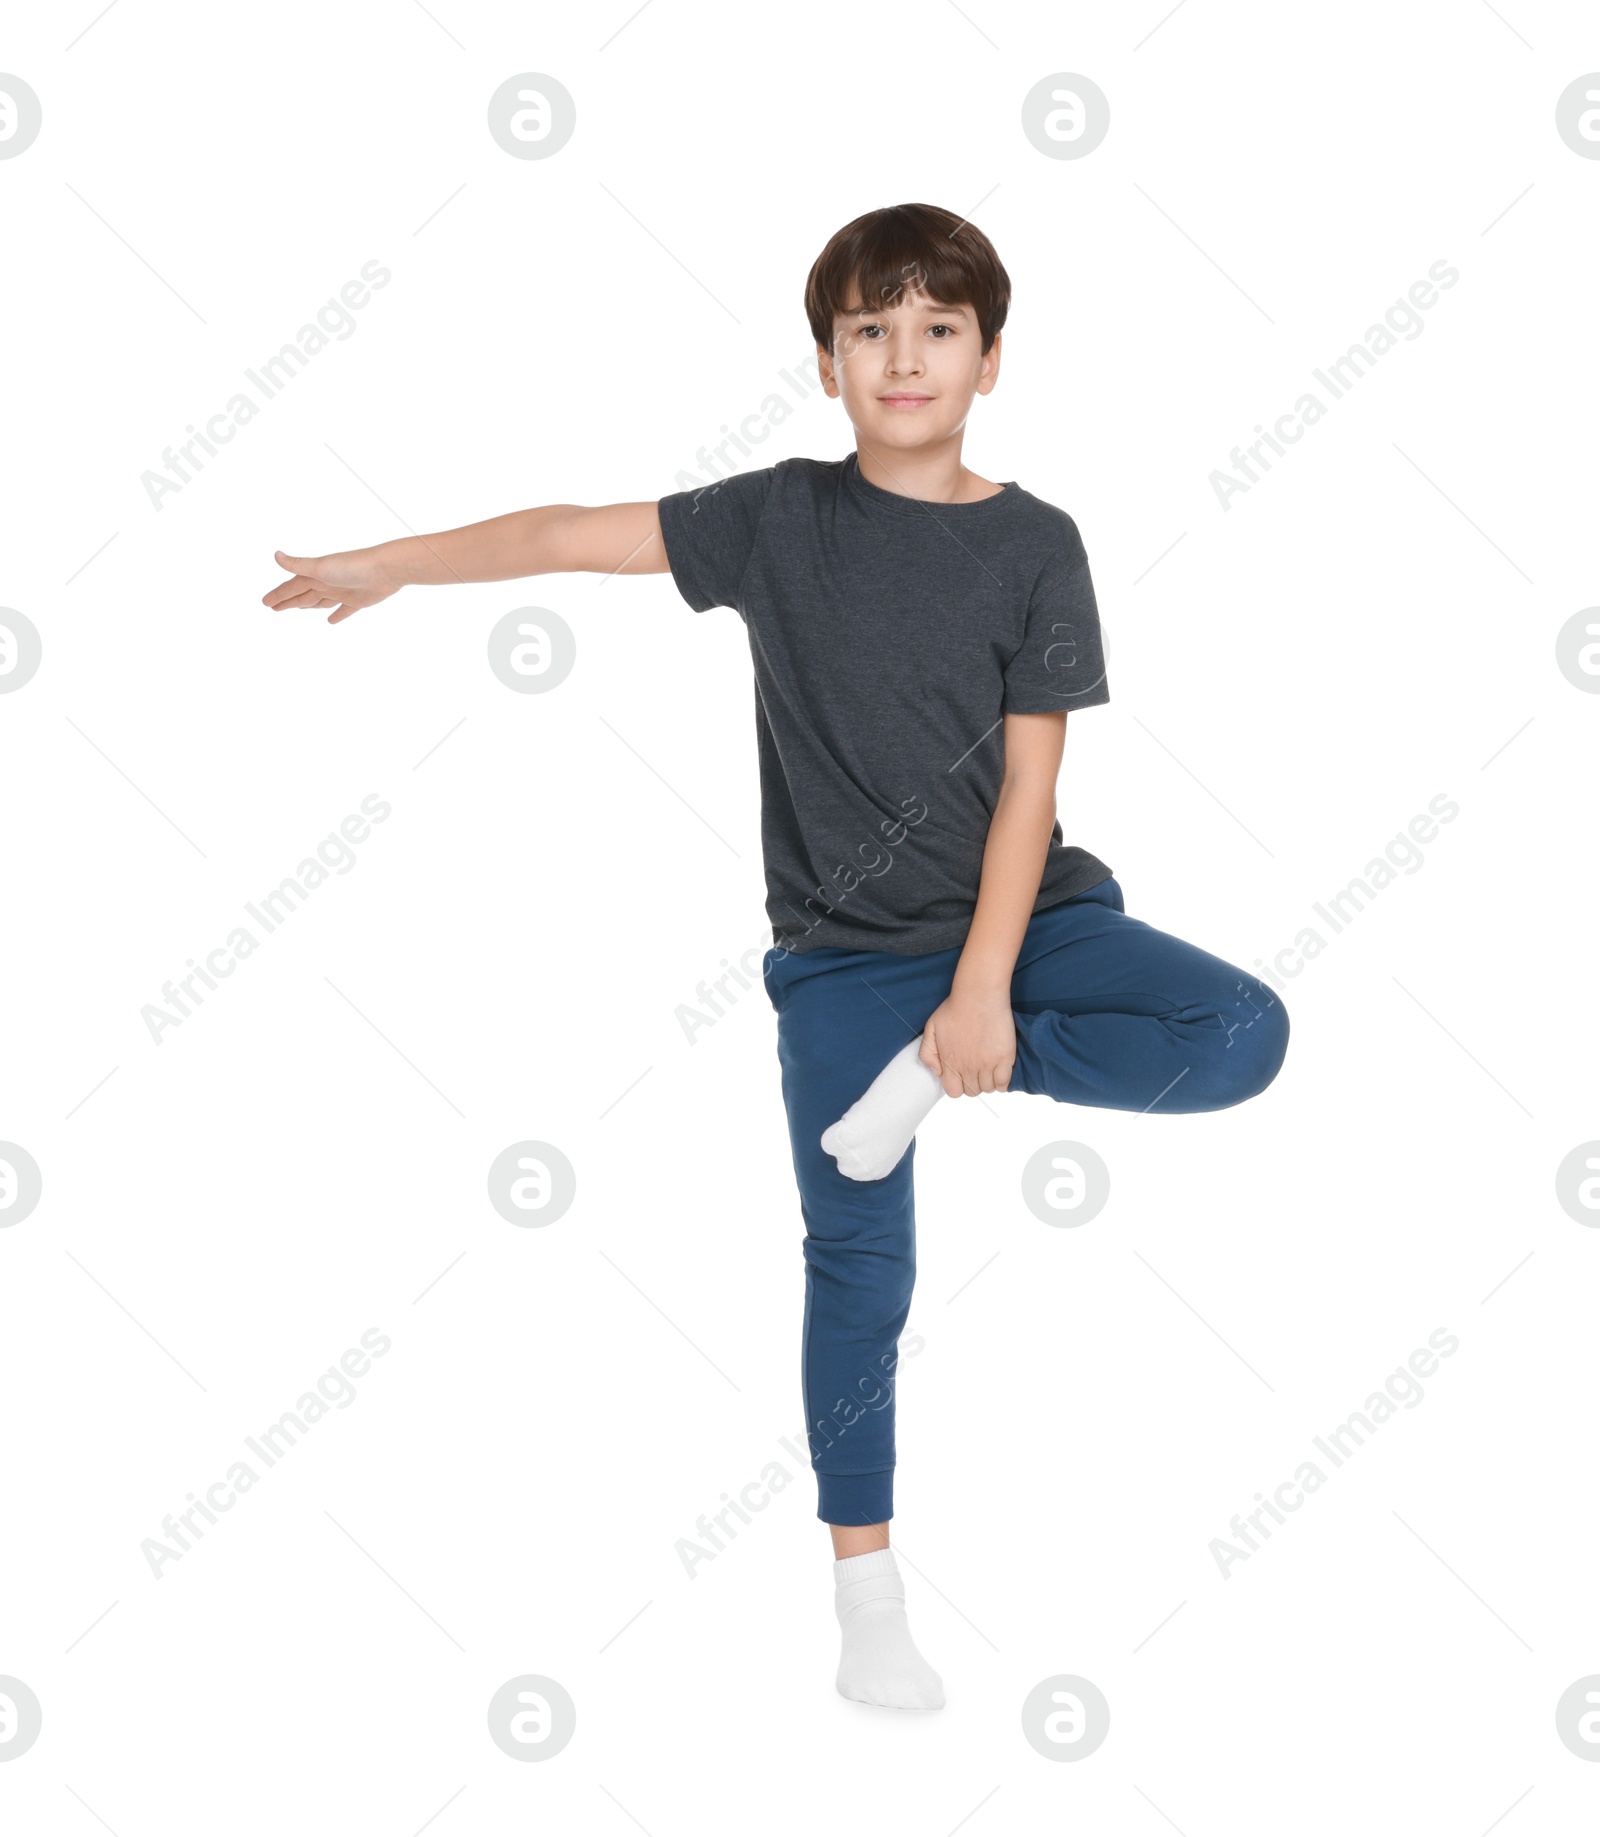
{"x":549,"y":539}
{"x":970,"y":1039}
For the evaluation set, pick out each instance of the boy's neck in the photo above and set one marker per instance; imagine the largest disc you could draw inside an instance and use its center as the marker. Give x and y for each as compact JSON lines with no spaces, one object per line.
{"x":933,"y":473}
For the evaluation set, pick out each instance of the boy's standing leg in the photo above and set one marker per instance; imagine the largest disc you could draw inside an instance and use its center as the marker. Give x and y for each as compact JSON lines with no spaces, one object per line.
{"x":839,"y":1018}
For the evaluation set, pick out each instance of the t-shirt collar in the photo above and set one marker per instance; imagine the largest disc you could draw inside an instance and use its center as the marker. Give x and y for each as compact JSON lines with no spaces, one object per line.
{"x":875,"y":498}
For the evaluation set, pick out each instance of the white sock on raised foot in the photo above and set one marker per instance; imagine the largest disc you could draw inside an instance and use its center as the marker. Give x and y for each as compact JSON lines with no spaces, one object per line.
{"x":872,"y":1135}
{"x":880,"y":1662}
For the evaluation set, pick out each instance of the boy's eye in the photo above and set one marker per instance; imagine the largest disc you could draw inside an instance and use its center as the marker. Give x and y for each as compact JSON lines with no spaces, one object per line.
{"x":874,"y":326}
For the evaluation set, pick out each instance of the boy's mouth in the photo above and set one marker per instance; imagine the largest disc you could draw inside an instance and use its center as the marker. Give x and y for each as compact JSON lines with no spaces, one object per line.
{"x":904,"y":400}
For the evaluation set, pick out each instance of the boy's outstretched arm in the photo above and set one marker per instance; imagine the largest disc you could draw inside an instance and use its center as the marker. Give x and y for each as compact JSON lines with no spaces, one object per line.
{"x":549,"y":539}
{"x":971,"y":1039}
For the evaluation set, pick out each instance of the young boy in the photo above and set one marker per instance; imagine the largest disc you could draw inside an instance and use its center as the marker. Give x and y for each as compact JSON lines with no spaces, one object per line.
{"x":919,"y":635}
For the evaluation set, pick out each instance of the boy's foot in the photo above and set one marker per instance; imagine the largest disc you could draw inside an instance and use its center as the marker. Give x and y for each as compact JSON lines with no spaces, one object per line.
{"x":869,"y":1140}
{"x":880,"y":1662}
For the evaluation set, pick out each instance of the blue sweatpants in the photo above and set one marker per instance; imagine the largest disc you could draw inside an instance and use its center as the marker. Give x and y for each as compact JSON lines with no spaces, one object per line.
{"x":1110,"y":1013}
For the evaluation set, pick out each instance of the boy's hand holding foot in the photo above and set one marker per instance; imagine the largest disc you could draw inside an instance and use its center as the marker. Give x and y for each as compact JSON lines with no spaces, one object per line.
{"x":967,"y":1047}
{"x":970,"y":1041}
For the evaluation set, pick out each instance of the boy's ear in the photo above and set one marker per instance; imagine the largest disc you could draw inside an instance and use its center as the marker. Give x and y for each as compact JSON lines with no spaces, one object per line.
{"x":825,"y":371}
{"x":989,"y":371}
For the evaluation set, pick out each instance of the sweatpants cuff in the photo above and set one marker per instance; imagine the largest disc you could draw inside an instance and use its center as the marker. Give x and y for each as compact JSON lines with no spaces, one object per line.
{"x":856,"y":1498}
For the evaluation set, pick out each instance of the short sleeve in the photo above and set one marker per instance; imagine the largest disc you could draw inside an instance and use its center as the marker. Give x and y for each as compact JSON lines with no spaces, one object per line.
{"x":710,"y":534}
{"x":1061,"y":662}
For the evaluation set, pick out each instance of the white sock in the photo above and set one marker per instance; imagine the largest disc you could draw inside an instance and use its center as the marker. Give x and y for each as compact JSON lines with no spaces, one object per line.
{"x":880,"y":1662}
{"x":872,"y":1135}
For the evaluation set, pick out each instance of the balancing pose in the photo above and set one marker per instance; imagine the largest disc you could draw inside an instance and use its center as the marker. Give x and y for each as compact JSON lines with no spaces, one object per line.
{"x":919,"y":636}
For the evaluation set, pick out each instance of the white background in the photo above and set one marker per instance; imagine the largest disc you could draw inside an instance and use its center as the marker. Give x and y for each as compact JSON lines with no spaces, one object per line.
{"x":1371,"y":625}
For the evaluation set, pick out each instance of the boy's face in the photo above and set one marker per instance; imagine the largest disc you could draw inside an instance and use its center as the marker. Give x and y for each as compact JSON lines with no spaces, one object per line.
{"x":907,"y":373}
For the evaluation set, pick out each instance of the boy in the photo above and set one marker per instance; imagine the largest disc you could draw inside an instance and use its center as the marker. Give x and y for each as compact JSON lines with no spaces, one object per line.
{"x":919,"y":636}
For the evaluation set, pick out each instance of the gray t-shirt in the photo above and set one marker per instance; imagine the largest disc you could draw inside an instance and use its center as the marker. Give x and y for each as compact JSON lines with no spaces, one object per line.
{"x":890,"y":637}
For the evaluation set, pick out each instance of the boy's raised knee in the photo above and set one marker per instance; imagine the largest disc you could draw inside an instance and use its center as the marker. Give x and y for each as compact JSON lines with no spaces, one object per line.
{"x":1256,"y":1051}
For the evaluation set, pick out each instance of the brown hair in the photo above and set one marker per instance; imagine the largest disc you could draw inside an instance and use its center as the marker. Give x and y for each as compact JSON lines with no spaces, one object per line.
{"x":908,"y":248}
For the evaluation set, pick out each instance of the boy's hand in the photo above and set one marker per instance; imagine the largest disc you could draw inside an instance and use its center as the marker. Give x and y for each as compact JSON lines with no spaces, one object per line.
{"x":351,"y":581}
{"x":970,"y":1041}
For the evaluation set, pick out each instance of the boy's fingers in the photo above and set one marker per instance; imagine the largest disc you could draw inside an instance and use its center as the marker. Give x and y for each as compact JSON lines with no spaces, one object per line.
{"x":287,"y":590}
{"x":986,"y":1079}
{"x":1002,"y":1078}
{"x":929,"y":1053}
{"x":343,"y":613}
{"x":959,"y":1083}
